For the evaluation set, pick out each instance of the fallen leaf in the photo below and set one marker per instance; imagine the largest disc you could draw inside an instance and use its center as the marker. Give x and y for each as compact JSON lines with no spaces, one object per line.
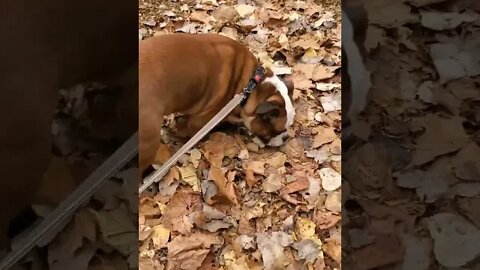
{"x":188,"y":252}
{"x":234,"y":263}
{"x":465,"y":164}
{"x":417,"y":252}
{"x":469,"y":207}
{"x":438,"y":139}
{"x":276,"y":160}
{"x":305,"y":229}
{"x":226,"y":187}
{"x":300,"y":183}
{"x":454,"y":61}
{"x":331,"y":179}
{"x":331,"y":102}
{"x":333,"y":249}
{"x":118,"y":229}
{"x":195,"y":156}
{"x":455,"y":239}
{"x":181,"y":205}
{"x":59,"y":259}
{"x":438,"y":21}
{"x":224,"y":13}
{"x":189,"y":175}
{"x":210,"y":2}
{"x":320,"y":156}
{"x":391,"y":14}
{"x":271,"y":247}
{"x":245,"y":242}
{"x":307,"y":249}
{"x":321,"y":73}
{"x":432,"y":184}
{"x":323,"y":136}
{"x":326,"y":220}
{"x":327,"y":86}
{"x":252,"y":168}
{"x":312,"y":194}
{"x":245,"y":10}
{"x":386,"y":250}
{"x":333,"y":202}
{"x":160,"y":236}
{"x":273,"y":183}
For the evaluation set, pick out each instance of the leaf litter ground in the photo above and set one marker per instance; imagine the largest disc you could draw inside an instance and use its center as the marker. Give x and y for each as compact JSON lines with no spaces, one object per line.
{"x":232,"y":202}
{"x":413,"y":184}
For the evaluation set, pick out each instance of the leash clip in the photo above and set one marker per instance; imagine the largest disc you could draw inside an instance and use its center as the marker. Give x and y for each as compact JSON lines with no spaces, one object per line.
{"x":256,"y":79}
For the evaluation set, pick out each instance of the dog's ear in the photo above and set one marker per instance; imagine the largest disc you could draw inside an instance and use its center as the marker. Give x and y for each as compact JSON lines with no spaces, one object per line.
{"x":274,"y":106}
{"x":259,"y":96}
{"x":266,"y":107}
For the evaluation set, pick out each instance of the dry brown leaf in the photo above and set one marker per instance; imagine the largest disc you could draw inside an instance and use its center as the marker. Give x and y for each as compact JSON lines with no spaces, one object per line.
{"x":326,"y":220}
{"x":466,"y":164}
{"x":273,"y":183}
{"x":391,"y":14}
{"x":226,"y":187}
{"x":307,"y":249}
{"x":276,"y":160}
{"x":321,"y":73}
{"x":324,"y":135}
{"x":333,"y":249}
{"x":300,"y":183}
{"x":271,"y":247}
{"x":245,"y":10}
{"x":333,"y":202}
{"x":148,"y":264}
{"x":224,"y":13}
{"x":252,"y":168}
{"x":60,"y":259}
{"x":215,"y":149}
{"x":386,"y":250}
{"x":181,"y":205}
{"x":199,"y":16}
{"x":455,"y":239}
{"x":188,"y":252}
{"x":442,"y":136}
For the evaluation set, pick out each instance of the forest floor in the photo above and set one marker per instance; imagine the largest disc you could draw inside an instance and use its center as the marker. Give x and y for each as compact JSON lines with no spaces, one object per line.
{"x":260,"y":207}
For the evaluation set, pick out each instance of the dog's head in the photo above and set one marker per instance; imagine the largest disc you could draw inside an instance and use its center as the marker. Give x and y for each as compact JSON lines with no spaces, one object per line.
{"x":269,"y":111}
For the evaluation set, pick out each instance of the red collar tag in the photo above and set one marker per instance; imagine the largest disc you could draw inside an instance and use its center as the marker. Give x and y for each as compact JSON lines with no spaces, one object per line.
{"x":257,"y":78}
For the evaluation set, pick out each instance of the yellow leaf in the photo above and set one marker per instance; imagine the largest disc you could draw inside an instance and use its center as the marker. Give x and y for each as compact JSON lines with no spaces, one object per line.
{"x":189,"y":175}
{"x":232,"y":263}
{"x":310,"y":53}
{"x":160,"y":236}
{"x":162,"y":207}
{"x":305,"y":229}
{"x":195,"y":156}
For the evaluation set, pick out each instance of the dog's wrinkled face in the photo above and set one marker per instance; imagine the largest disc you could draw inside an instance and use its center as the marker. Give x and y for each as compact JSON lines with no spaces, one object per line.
{"x":269,"y":110}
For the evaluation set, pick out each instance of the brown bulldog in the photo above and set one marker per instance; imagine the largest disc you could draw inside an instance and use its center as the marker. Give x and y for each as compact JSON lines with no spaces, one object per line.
{"x":197,"y":75}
